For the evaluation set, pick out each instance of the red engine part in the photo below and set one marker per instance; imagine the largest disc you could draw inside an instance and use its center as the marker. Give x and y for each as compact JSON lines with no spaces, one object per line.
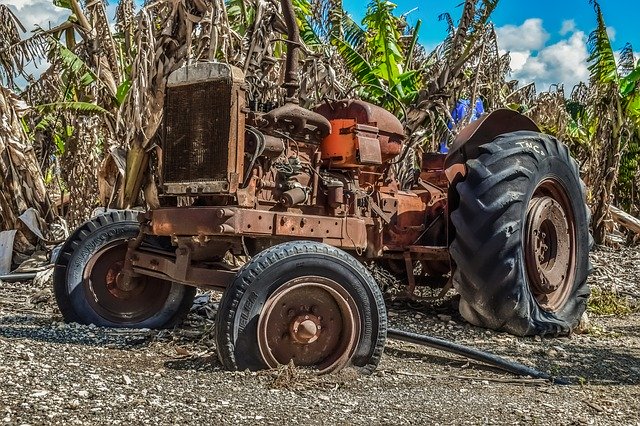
{"x":368,"y":117}
{"x":409,"y":219}
{"x":351,"y":145}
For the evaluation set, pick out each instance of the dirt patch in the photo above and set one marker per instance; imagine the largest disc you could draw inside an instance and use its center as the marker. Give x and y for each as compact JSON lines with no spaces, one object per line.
{"x":56,"y":373}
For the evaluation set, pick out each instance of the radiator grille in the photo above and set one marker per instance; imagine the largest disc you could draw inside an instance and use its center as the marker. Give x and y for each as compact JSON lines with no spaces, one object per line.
{"x":196,"y":142}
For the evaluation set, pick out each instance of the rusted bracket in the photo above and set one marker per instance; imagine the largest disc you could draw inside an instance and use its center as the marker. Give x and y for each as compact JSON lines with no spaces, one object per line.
{"x":424,"y":253}
{"x":376,"y":208}
{"x":179,"y":269}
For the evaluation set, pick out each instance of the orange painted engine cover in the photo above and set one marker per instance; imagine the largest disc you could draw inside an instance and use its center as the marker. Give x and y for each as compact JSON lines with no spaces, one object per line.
{"x":340,"y":147}
{"x":362,"y":134}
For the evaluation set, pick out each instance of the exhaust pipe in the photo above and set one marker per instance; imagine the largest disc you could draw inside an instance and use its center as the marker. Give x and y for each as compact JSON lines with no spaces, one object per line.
{"x":291,"y":83}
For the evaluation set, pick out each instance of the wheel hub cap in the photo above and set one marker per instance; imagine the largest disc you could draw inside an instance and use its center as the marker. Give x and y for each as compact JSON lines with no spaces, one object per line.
{"x":305,"y":329}
{"x":550,"y":245}
{"x":312,"y":321}
{"x":114,"y":299}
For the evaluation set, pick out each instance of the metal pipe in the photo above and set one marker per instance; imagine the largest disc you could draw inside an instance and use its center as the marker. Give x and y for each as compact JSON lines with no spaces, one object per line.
{"x":471,"y":353}
{"x":291,"y":83}
{"x":18,"y":276}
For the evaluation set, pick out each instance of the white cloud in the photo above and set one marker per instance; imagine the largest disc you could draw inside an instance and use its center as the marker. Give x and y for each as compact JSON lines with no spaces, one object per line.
{"x":564,"y":62}
{"x":532,"y":60}
{"x":568,"y":26}
{"x":531,"y":35}
{"x":611,"y":32}
{"x":37,"y":12}
{"x":519,"y":59}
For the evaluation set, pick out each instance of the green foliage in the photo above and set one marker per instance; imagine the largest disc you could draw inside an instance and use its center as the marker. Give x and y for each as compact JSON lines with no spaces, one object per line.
{"x":241,"y":14}
{"x":66,"y":4}
{"x":123,"y":90}
{"x":73,"y":65}
{"x":80,"y":107}
{"x":303,"y":12}
{"x":376,"y":57}
{"x":614,"y":126}
{"x":359,"y":66}
{"x":382,"y":40}
{"x":602,"y":68}
{"x":607,"y":302}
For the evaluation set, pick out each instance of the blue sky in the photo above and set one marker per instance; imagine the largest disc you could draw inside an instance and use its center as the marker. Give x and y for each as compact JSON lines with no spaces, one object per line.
{"x":546,"y":38}
{"x":618,"y":14}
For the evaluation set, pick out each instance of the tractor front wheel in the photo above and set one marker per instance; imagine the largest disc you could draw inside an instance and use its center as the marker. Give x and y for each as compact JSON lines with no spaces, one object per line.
{"x":302,"y":302}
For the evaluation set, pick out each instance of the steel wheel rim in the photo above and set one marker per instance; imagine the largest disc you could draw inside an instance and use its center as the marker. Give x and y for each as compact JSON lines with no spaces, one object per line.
{"x":112,"y":303}
{"x":312,"y":321}
{"x":550,"y":245}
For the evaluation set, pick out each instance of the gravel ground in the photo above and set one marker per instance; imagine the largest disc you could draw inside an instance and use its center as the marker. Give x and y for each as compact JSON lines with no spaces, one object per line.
{"x":56,"y":373}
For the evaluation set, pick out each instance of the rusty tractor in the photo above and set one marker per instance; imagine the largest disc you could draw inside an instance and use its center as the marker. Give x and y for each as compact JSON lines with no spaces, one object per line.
{"x":310,"y":197}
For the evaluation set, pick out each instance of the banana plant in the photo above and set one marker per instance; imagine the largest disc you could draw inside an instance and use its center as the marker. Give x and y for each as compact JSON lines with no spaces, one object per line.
{"x":377,"y":57}
{"x":614,"y":105}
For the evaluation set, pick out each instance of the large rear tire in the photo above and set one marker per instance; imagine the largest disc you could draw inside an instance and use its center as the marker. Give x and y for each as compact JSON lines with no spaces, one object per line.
{"x":521,"y":245}
{"x":85,"y":284}
{"x":302,"y":302}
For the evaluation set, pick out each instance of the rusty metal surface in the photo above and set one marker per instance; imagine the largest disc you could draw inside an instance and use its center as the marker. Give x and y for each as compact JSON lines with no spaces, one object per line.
{"x":311,"y":321}
{"x":408,"y":217}
{"x":484,"y":130}
{"x":391,"y":131}
{"x":550,"y":246}
{"x":429,"y":252}
{"x":365,"y":113}
{"x":432,"y":169}
{"x":368,"y":149}
{"x":296,"y":120}
{"x":179,"y":269}
{"x":291,"y":83}
{"x":347,"y":232}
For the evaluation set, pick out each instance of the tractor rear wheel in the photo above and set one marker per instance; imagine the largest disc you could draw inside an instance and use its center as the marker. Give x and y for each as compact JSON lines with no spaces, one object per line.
{"x":521,"y":245}
{"x":86,"y":283}
{"x":302,"y":302}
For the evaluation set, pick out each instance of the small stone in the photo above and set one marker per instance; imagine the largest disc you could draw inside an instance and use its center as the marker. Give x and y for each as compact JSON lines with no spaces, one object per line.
{"x":83,"y":394}
{"x":584,"y":326}
{"x":74,"y":404}
{"x":444,"y":318}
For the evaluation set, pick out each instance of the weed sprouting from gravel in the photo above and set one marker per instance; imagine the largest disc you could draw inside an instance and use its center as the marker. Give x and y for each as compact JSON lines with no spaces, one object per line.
{"x":609,"y":302}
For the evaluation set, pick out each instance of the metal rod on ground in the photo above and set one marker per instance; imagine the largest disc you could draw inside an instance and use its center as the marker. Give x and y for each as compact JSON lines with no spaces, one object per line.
{"x":24,"y":276}
{"x":475,"y":354}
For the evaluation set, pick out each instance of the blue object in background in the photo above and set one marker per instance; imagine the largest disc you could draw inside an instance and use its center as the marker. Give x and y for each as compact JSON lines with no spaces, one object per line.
{"x":459,"y":112}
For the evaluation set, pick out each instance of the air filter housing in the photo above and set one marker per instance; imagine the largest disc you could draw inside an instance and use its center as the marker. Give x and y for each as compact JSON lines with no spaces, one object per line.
{"x":203,"y":135}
